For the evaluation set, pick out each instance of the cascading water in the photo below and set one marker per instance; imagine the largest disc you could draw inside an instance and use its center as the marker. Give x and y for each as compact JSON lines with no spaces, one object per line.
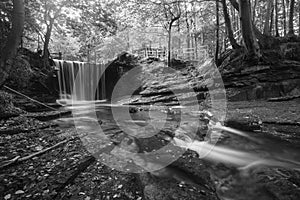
{"x":81,"y":81}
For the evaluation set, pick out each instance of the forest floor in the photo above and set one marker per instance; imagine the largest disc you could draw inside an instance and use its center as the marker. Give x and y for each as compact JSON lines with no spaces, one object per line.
{"x":69,"y":171}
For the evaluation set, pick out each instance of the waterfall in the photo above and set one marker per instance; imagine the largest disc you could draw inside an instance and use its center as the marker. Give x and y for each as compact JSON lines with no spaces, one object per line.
{"x":80,"y":81}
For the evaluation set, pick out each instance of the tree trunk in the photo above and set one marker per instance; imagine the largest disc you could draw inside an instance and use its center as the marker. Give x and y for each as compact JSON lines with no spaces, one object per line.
{"x":46,"y":44}
{"x":276,"y":19}
{"x":284,"y":17}
{"x":9,"y":51}
{"x":231,"y":38}
{"x":188,"y":39}
{"x":272,"y":21}
{"x":232,"y":13}
{"x":249,"y":38}
{"x":291,"y":18}
{"x":253,"y":11}
{"x":217,"y":32}
{"x":299,"y":19}
{"x":264,"y":40}
{"x":170,"y":38}
{"x":268,"y":17}
{"x":195,"y":35}
{"x":169,"y":47}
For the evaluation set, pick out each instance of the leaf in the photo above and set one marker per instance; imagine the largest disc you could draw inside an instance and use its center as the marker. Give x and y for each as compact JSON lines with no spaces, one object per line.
{"x":19,"y":192}
{"x":8,"y":196}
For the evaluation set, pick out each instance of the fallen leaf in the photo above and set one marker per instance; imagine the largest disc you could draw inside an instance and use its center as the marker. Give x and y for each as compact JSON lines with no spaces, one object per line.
{"x":8,"y":196}
{"x":19,"y":192}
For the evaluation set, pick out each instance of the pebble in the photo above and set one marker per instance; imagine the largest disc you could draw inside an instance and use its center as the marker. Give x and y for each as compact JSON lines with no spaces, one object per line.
{"x":19,"y":192}
{"x":8,"y":196}
{"x":120,"y":186}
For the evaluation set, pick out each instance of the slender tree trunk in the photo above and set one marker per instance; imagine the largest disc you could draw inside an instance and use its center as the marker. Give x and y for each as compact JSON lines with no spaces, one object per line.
{"x":299,"y":19}
{"x":276,"y":19}
{"x":217,"y":32}
{"x":235,"y":5}
{"x":170,"y":38}
{"x":203,"y":38}
{"x":284,"y":17}
{"x":195,"y":34}
{"x":232,"y":12}
{"x":249,"y":38}
{"x":268,"y":17}
{"x":188,"y":39}
{"x":169,"y":47}
{"x":253,"y":11}
{"x":46,"y":44}
{"x":231,"y":38}
{"x":272,"y":21}
{"x":179,"y":38}
{"x":291,"y":18}
{"x":9,"y":51}
{"x":238,"y":25}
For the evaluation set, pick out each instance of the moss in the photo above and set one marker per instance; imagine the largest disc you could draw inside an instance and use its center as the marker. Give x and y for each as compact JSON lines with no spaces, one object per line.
{"x":6,"y":105}
{"x":20,"y":73}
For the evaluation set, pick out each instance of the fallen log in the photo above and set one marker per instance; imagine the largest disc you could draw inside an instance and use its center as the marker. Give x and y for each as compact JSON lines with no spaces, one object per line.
{"x":18,"y":159}
{"x":82,"y":166}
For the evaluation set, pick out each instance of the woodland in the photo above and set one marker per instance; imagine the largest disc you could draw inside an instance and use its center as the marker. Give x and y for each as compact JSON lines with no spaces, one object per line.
{"x":249,"y":120}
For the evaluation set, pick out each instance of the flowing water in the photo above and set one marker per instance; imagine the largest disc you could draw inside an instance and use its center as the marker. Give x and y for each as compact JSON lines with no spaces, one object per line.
{"x":80,"y":81}
{"x":242,"y":153}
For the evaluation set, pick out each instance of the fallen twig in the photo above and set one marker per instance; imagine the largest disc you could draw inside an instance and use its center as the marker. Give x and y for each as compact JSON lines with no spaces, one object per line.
{"x":287,"y":123}
{"x":27,"y":97}
{"x":19,"y":159}
{"x":287,"y":98}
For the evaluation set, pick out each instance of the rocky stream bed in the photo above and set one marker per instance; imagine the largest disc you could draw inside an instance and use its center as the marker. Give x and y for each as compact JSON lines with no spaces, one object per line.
{"x":69,"y":171}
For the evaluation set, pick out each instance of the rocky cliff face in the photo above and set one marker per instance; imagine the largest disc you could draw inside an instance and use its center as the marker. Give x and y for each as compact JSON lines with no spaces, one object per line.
{"x":194,"y":82}
{"x":263,"y":81}
{"x":172,"y":86}
{"x":279,"y":77}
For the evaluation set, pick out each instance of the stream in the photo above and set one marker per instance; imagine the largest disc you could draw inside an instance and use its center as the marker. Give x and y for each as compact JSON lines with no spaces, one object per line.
{"x":149,"y":138}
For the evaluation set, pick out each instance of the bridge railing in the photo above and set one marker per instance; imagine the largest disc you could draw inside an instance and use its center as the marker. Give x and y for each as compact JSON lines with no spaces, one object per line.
{"x":191,"y":54}
{"x":155,"y":53}
{"x":188,"y":54}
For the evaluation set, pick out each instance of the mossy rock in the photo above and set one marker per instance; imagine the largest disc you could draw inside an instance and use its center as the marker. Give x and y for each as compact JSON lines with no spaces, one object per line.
{"x":7,"y":109}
